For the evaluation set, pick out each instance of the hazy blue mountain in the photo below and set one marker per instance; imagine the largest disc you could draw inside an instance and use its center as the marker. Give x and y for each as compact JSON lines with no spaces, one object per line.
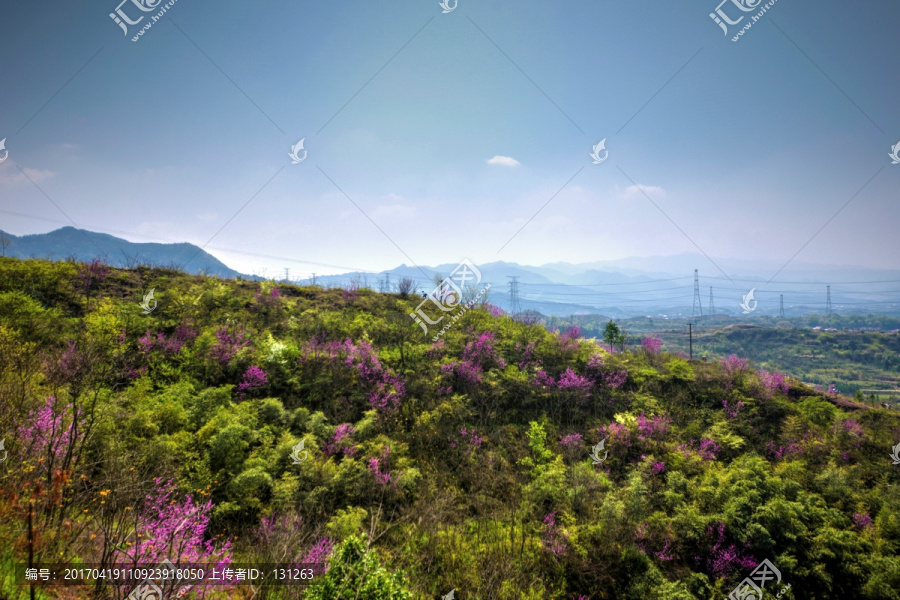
{"x":83,"y":245}
{"x":659,"y":286}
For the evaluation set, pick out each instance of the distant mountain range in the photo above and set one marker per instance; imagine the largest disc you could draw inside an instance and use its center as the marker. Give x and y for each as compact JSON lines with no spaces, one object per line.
{"x":86,"y":246}
{"x":642,"y":286}
{"x":664,"y":287}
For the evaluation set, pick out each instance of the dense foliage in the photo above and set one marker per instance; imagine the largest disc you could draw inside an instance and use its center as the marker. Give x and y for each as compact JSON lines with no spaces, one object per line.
{"x":248,"y":422}
{"x":845,"y":351}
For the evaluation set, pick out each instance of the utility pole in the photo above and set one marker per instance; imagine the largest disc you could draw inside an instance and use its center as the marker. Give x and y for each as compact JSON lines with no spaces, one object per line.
{"x":514,"y":307}
{"x":697,"y":305}
{"x":828,"y":301}
{"x":781,"y":310}
{"x":712,"y":305}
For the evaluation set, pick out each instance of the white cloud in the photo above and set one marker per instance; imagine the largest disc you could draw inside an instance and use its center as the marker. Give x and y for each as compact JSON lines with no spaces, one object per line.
{"x":506,"y":161}
{"x":638,"y":191}
{"x":8,"y":175}
{"x":397,"y":211}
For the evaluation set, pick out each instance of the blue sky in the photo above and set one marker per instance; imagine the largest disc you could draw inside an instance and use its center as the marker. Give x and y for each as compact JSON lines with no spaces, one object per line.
{"x":749,"y":147}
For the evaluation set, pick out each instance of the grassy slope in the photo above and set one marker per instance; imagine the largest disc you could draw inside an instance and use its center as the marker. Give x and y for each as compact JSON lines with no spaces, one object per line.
{"x":689,"y":498}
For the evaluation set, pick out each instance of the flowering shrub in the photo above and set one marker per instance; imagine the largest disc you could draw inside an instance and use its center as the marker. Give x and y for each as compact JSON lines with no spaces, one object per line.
{"x":338,"y":441}
{"x":384,"y":387}
{"x":527,"y":355}
{"x":724,"y":560}
{"x":862,"y":520}
{"x":482,"y":353}
{"x":228,"y":343}
{"x":477,"y":357}
{"x":469,"y":441}
{"x":168,"y":347}
{"x":570,"y":380}
{"x":254,"y":379}
{"x":772,"y":382}
{"x":651,"y":345}
{"x":91,"y":274}
{"x":554,"y":540}
{"x":173,"y":529}
{"x":709,"y":449}
{"x":570,"y":338}
{"x":320,"y":552}
{"x":612,"y":378}
{"x":572,"y":441}
{"x":466,"y":373}
{"x":654,"y":428}
{"x":733,"y":364}
{"x":269,"y":301}
{"x":543,"y":380}
{"x":48,"y":432}
{"x":494,"y":311}
{"x":618,"y":435}
{"x":790,"y":451}
{"x":379,"y":468}
{"x":732,"y":410}
{"x":657,"y":468}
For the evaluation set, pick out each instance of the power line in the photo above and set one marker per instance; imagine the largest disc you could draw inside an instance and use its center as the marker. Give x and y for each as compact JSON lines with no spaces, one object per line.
{"x":608,"y":284}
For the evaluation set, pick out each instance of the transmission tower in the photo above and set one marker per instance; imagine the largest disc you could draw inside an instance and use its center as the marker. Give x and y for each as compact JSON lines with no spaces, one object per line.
{"x":712,"y":305}
{"x":314,"y":279}
{"x":828,"y":300}
{"x":697,"y":306}
{"x":781,"y":310}
{"x":387,"y":283}
{"x":287,"y":274}
{"x":514,"y":307}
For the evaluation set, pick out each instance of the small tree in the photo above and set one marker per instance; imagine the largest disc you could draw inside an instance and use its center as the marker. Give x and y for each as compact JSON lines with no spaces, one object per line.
{"x":613,"y":335}
{"x":406,"y":286}
{"x":355,"y":572}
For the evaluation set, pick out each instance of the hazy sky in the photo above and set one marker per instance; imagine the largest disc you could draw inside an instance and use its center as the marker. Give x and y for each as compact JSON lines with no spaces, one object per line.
{"x":749,"y":147}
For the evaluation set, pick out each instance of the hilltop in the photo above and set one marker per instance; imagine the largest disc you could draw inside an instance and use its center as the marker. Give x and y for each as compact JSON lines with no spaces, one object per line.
{"x":254,"y":422}
{"x":69,"y":243}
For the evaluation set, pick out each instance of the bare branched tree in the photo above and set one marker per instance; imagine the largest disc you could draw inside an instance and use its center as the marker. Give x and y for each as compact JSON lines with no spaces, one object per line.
{"x":406,"y":286}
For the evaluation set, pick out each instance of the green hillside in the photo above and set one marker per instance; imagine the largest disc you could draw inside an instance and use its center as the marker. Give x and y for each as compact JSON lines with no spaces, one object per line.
{"x":840,"y":352}
{"x":246,"y":423}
